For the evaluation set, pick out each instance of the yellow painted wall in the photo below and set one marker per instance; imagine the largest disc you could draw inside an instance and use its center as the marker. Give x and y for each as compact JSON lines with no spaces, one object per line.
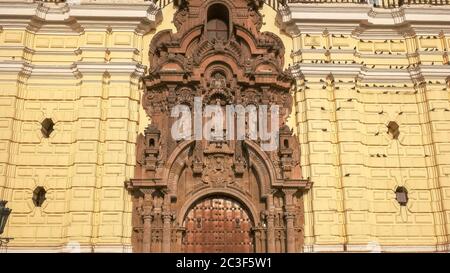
{"x":91,"y":153}
{"x":354,"y":164}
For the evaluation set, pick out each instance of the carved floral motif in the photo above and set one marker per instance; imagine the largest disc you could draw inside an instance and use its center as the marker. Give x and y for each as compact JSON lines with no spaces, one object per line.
{"x":218,"y":170}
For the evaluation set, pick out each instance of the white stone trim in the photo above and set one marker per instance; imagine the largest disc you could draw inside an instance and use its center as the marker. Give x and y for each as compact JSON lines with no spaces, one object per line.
{"x":368,"y":74}
{"x":95,"y":11}
{"x":347,"y":18}
{"x":376,"y":248}
{"x":408,"y":248}
{"x":112,"y":249}
{"x":437,"y":71}
{"x":119,"y":248}
{"x":76,"y":70}
{"x":140,"y":18}
{"x":326,"y":248}
{"x":325,"y":69}
{"x":68,"y":248}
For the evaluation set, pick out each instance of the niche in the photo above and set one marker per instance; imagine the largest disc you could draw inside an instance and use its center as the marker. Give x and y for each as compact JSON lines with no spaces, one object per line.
{"x":217,"y":26}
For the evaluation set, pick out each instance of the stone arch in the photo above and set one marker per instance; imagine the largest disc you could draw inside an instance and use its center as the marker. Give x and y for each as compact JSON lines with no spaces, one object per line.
{"x":173,"y":170}
{"x":217,"y":222}
{"x":225,"y":59}
{"x":233,"y":194}
{"x":218,"y":23}
{"x":262,"y":165}
{"x":225,"y":3}
{"x":264,"y":171}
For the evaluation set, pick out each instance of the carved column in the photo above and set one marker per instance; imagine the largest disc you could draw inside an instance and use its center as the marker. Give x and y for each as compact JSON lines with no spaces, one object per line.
{"x":147,"y":217}
{"x":290,"y":231}
{"x":270,"y":217}
{"x":167,"y":219}
{"x":257,"y":234}
{"x":289,"y":216}
{"x":260,"y":241}
{"x":167,"y":225}
{"x":179,"y":241}
{"x":147,"y":232}
{"x":270,"y":232}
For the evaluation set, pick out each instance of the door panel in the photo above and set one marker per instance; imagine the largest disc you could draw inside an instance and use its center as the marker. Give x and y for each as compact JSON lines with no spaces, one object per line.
{"x":217,"y":225}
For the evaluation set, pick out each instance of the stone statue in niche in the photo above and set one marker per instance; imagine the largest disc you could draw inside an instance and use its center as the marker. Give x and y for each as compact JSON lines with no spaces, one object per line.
{"x":254,"y":19}
{"x":180,"y":16}
{"x":218,"y":92}
{"x":218,"y":81}
{"x":197,"y":165}
{"x":239,"y":166}
{"x":157,"y":201}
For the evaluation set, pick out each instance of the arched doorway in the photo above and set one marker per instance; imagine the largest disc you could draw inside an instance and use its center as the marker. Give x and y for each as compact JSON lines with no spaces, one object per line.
{"x":218,"y":224}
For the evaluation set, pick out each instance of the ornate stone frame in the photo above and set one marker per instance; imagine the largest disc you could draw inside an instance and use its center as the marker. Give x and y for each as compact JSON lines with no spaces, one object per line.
{"x":171,"y":176}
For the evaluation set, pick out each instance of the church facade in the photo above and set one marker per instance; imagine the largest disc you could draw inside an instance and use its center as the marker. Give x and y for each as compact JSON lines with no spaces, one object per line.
{"x":89,"y":161}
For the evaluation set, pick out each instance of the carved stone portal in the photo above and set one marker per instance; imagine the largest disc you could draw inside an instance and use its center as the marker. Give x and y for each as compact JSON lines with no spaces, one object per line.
{"x":218,"y":195}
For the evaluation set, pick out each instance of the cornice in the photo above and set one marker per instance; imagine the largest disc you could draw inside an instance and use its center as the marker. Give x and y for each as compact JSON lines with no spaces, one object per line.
{"x":363,"y":73}
{"x":87,"y":67}
{"x":20,"y":68}
{"x":44,"y":16}
{"x":298,"y":70}
{"x":295,"y":18}
{"x":77,"y":70}
{"x":14,"y":67}
{"x":435,"y":71}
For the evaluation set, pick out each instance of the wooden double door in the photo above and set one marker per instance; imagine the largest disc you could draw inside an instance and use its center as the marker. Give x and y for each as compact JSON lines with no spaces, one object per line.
{"x":218,"y":225}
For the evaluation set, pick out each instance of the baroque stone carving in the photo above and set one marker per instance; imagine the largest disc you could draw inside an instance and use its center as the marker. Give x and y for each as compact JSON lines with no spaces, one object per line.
{"x":218,"y":170}
{"x":220,"y":56}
